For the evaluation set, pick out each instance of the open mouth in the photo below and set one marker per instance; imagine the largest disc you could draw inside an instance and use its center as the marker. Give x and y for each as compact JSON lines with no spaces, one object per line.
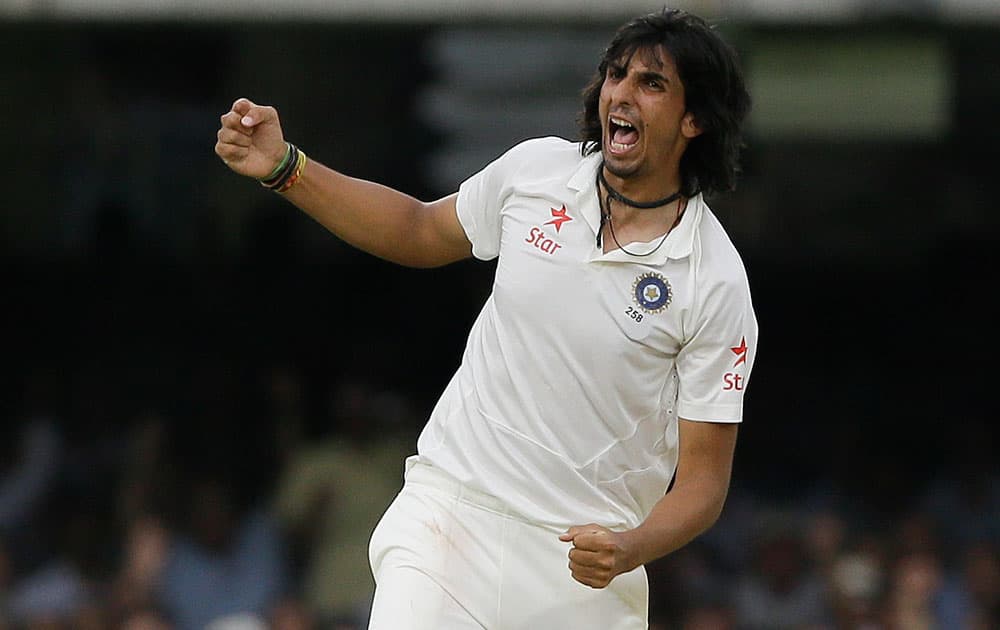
{"x":622,"y":134}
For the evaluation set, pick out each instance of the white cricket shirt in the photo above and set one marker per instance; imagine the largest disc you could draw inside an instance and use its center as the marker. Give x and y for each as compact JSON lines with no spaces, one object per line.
{"x":566,"y":402}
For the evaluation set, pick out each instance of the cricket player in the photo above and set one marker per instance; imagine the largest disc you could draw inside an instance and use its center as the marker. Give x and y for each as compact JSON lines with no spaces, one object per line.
{"x":591,"y":425}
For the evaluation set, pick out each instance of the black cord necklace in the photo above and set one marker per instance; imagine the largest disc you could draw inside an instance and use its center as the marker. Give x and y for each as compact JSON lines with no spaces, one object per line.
{"x":605,"y":206}
{"x":643,"y":205}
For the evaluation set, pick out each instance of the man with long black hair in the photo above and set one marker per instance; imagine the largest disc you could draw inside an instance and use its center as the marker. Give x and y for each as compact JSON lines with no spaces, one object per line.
{"x":608,"y":364}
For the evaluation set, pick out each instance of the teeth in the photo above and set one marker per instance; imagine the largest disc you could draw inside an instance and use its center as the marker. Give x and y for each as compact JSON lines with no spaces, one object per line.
{"x":620,"y":122}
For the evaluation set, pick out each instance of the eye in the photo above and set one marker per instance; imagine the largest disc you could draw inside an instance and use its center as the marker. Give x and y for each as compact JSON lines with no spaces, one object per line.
{"x":654,"y":84}
{"x":616,"y":72}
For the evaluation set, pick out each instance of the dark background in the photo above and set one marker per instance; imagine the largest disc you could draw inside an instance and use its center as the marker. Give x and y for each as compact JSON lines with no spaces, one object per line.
{"x":140,"y":276}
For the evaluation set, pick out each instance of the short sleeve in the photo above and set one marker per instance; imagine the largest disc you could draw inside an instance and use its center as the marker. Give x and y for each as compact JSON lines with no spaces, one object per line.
{"x":478,"y":206}
{"x":714,"y":364}
{"x":481,"y":198}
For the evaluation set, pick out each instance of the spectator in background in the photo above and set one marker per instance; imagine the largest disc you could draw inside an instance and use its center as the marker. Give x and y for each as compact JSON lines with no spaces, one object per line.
{"x":224,"y":561}
{"x":981,"y":576}
{"x":293,"y":614}
{"x":710,"y":617}
{"x":286,"y":406}
{"x":964,"y":498}
{"x":855,"y":588}
{"x":144,"y":474}
{"x":60,"y":587}
{"x":32,"y":454}
{"x":824,"y":539}
{"x":692,"y":578}
{"x":147,"y":619}
{"x":971,"y":598}
{"x":228,"y":559}
{"x":144,"y":552}
{"x":915,"y":581}
{"x":30,"y":468}
{"x":5,"y":583}
{"x":781,"y":590}
{"x":331,"y":495}
{"x":39,"y":582}
{"x":146,"y":486}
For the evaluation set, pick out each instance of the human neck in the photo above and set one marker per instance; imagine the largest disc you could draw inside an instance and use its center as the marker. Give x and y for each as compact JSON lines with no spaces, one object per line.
{"x":642,"y":192}
{"x":629,"y":202}
{"x":638,"y":221}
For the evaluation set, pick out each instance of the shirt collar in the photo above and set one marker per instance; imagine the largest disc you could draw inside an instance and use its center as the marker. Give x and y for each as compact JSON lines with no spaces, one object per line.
{"x":583,"y":182}
{"x":678,"y":244}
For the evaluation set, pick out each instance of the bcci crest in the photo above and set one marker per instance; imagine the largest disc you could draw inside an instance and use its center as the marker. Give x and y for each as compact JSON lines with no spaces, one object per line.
{"x":652,"y":292}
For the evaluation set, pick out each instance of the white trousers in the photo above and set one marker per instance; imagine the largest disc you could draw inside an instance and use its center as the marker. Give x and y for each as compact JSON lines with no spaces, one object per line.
{"x":445,"y":557}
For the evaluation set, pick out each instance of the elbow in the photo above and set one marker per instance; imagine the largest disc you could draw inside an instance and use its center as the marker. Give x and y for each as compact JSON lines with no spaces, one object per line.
{"x":712,"y":515}
{"x":708,"y":509}
{"x":715,"y":506}
{"x":420,"y":261}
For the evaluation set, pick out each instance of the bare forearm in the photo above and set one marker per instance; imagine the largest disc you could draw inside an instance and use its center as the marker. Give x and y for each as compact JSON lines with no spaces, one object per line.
{"x":704,"y":467}
{"x":377,"y":219}
{"x":678,"y":518}
{"x":599,"y":554}
{"x":372,"y":217}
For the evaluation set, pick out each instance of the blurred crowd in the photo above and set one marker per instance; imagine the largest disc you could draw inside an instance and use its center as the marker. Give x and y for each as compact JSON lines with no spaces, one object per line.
{"x":248,"y":515}
{"x":221,"y":520}
{"x":830,"y":559}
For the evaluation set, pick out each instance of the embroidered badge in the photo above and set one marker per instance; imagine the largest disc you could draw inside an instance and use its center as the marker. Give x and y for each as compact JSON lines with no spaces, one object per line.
{"x":652,"y":292}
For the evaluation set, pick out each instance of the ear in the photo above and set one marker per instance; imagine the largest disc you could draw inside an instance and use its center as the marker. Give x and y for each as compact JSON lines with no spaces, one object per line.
{"x":690,"y":127}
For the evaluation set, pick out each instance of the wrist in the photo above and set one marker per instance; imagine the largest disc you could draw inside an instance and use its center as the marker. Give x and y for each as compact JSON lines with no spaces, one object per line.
{"x":288,"y":172}
{"x":631,"y":542}
{"x":281,"y":165}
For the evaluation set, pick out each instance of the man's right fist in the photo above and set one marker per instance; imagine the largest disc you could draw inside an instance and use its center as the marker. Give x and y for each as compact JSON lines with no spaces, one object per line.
{"x":250,"y":140}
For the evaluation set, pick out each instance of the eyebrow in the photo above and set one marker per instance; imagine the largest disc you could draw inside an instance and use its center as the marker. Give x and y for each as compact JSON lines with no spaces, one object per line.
{"x":623,"y":63}
{"x":650,"y":75}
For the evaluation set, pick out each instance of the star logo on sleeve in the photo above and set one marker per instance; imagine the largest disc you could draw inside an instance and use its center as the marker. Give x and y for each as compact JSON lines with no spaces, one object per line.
{"x":740,"y":351}
{"x":558,"y":218}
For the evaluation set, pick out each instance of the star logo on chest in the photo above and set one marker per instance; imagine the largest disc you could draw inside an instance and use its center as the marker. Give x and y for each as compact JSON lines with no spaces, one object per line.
{"x":558,"y":217}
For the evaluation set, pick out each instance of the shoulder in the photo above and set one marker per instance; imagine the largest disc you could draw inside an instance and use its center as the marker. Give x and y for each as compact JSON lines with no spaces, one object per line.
{"x":719,"y":260}
{"x":548,"y":145}
{"x":720,"y":293}
{"x":548,"y":158}
{"x":544,"y":151}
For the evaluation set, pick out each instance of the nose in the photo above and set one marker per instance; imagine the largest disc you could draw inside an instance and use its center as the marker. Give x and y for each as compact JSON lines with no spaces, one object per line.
{"x":621,"y":92}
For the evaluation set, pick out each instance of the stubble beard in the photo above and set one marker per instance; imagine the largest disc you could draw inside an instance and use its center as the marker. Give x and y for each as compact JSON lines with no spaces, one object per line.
{"x":620,"y":171}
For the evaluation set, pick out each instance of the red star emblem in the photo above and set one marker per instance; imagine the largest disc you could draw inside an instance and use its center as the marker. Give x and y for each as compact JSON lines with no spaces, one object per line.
{"x":740,"y":351}
{"x":558,"y":217}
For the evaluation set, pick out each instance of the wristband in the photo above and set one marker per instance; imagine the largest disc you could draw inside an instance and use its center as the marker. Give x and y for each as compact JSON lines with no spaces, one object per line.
{"x":287,"y":170}
{"x":300,"y":165}
{"x":281,"y":165}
